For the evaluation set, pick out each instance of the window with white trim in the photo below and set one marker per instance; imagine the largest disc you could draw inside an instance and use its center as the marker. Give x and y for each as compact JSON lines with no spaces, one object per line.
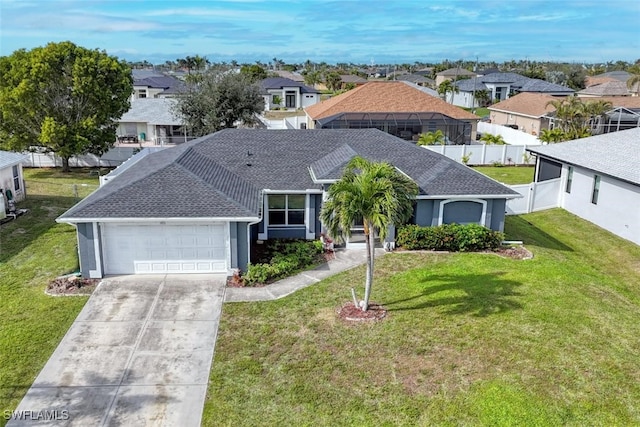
{"x":16,"y":178}
{"x":286,"y":209}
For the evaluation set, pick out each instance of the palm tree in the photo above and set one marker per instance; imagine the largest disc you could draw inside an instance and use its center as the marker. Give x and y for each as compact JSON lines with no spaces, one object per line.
{"x":432,"y":138}
{"x":551,"y":136}
{"x":447,"y":86}
{"x":490,"y":139}
{"x":634,"y":82}
{"x":375,"y":192}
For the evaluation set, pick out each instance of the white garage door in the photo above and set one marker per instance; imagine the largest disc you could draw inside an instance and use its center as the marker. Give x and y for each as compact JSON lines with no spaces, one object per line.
{"x":140,"y":249}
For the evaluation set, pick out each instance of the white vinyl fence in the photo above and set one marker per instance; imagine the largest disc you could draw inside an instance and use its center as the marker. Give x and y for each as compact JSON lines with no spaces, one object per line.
{"x":114,"y":157}
{"x":481,"y":154}
{"x":537,"y":196}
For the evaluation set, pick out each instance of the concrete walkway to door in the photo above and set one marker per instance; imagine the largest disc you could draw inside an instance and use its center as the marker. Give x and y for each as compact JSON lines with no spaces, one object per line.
{"x":139,"y":353}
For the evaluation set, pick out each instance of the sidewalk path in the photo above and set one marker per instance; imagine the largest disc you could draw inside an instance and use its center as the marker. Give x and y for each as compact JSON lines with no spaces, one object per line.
{"x":345,"y":259}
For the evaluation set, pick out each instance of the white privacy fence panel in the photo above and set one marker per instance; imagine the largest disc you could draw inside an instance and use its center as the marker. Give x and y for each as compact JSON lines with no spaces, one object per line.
{"x":511,"y":136}
{"x":114,"y":157}
{"x":537,"y":196}
{"x":481,"y":154}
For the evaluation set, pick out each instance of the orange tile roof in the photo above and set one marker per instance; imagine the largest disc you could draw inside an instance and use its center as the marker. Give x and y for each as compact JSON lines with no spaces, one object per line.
{"x":526,"y":103}
{"x":592,"y":80}
{"x":386,"y":97}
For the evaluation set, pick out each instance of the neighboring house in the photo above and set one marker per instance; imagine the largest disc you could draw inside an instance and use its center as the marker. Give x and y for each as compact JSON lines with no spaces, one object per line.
{"x":527,"y":111}
{"x":621,"y":76}
{"x":396,"y":107}
{"x":612,"y":88}
{"x":200,"y":207}
{"x":296,"y":77}
{"x":288,"y":93}
{"x":351,"y":79}
{"x":153,"y":120}
{"x":417,"y":79}
{"x":11,"y":176}
{"x":156,"y":87}
{"x":453,"y":74}
{"x":501,"y":86}
{"x":599,"y":179}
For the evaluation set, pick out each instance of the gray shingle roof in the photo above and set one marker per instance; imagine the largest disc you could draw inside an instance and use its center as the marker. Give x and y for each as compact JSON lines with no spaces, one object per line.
{"x":156,"y":111}
{"x":280,"y":82}
{"x":517,"y":82}
{"x":9,"y":158}
{"x":221,"y":175}
{"x":614,"y":154}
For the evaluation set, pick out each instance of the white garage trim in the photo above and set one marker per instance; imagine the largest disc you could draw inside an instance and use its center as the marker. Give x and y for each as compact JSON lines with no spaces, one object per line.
{"x":159,"y":248}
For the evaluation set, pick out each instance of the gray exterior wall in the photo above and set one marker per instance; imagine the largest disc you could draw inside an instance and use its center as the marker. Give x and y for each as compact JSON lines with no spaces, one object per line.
{"x":424,"y":213}
{"x":86,"y":248}
{"x":240,"y":253}
{"x":427,"y":211}
{"x":318,"y":206}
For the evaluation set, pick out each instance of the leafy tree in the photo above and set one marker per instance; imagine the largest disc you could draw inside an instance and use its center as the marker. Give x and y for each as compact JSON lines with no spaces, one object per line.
{"x":219,"y":100}
{"x":312,"y":77}
{"x":63,"y":97}
{"x":576,"y":79}
{"x":490,"y":139}
{"x":375,"y":192}
{"x":333,"y":80}
{"x":432,"y":138}
{"x":254,"y":72}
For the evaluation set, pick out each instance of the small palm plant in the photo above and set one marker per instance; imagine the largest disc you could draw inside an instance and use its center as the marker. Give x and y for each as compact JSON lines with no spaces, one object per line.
{"x":432,"y":138}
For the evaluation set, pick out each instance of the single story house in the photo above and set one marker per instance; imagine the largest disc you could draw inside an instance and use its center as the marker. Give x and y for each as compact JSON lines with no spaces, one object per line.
{"x":612,"y":88}
{"x":501,"y":86}
{"x":599,"y":179}
{"x":400,"y":108}
{"x":279,"y":92}
{"x":527,"y":111}
{"x":417,"y":79}
{"x":453,"y":74}
{"x":351,"y":79}
{"x":153,"y":120}
{"x":199,"y":207}
{"x":11,"y":176}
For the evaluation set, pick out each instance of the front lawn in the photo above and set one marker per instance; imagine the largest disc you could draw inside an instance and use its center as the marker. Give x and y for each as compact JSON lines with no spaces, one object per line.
{"x":510,"y":175}
{"x":34,"y":250}
{"x":470,"y":339}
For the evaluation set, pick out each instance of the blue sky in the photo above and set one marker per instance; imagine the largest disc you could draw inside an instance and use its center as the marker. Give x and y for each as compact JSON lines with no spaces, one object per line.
{"x":379,"y":31}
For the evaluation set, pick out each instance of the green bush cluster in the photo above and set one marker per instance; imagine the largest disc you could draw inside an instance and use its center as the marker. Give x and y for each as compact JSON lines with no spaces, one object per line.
{"x":449,"y":237}
{"x":287,"y":256}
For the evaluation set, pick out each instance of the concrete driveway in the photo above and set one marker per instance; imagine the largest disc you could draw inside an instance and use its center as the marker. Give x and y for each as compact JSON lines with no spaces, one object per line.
{"x":139,"y":353}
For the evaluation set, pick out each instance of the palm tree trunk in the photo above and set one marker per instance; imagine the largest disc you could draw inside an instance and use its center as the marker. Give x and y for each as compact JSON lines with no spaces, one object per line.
{"x":369,"y":238}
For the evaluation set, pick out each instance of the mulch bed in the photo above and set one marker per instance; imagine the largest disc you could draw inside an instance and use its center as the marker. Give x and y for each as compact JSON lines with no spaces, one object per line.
{"x":351,"y":313}
{"x":513,"y":252}
{"x":71,"y":285}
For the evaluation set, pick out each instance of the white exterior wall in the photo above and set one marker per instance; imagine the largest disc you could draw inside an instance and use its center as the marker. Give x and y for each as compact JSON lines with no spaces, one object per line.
{"x":309,"y":99}
{"x":6,"y":182}
{"x":463,"y":99}
{"x":618,"y":208}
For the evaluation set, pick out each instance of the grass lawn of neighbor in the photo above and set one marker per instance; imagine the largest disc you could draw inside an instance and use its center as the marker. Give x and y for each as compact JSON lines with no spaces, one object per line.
{"x":510,"y":175}
{"x":469,"y":339}
{"x":33,"y":250}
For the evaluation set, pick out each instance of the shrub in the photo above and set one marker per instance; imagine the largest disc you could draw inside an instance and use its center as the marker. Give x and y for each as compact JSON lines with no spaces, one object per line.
{"x":285,"y":257}
{"x":449,"y":237}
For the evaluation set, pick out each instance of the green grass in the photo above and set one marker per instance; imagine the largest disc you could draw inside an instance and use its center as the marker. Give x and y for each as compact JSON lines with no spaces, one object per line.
{"x":34,"y":250}
{"x":510,"y":175}
{"x":480,"y":112}
{"x":470,"y":339}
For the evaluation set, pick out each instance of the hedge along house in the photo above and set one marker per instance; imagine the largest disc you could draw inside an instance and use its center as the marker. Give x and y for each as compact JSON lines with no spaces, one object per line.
{"x":200,"y":206}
